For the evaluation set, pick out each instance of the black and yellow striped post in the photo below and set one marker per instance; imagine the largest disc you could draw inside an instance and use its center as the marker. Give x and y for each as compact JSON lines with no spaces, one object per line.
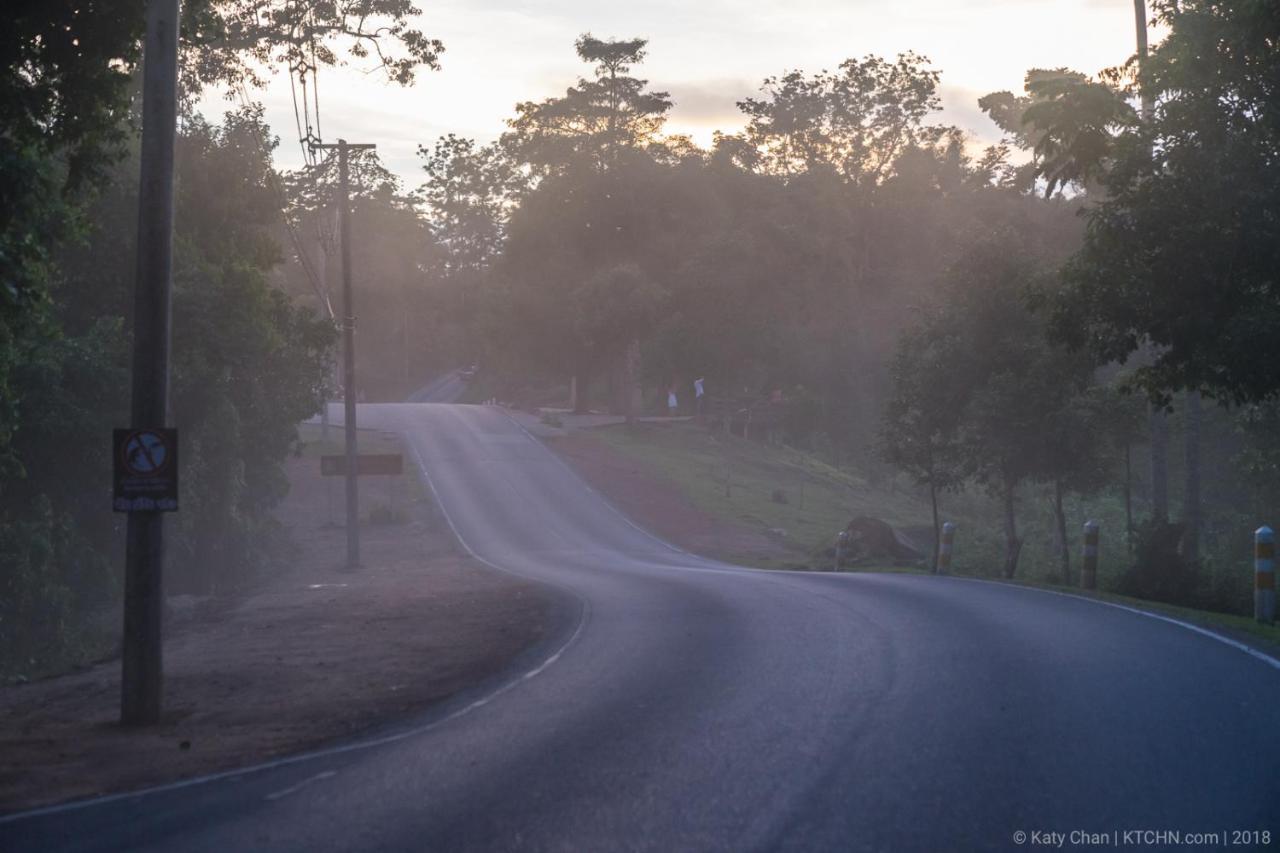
{"x":945,"y":547}
{"x":1089,"y":568}
{"x":1264,"y":574}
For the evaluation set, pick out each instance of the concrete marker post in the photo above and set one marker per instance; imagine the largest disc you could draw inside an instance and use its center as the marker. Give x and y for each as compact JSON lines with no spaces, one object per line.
{"x":1264,"y":574}
{"x":945,"y":547}
{"x":1089,"y":569}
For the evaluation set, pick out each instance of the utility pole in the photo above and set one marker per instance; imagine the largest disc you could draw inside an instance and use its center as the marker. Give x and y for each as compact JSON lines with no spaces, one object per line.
{"x":1157,"y":419}
{"x":141,"y":670}
{"x":348,"y":349}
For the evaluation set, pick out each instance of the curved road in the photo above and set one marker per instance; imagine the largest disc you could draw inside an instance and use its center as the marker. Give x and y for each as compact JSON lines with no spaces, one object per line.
{"x":689,"y":705}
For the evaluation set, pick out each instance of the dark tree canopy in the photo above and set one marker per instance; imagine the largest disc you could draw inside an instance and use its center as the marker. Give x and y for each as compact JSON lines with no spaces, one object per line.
{"x":1182,"y":255}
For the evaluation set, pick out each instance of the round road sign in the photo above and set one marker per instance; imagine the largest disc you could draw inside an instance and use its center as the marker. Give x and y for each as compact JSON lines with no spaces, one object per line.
{"x":146,"y":453}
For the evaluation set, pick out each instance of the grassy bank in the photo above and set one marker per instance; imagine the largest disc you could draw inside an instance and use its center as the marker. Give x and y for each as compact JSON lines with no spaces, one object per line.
{"x":762,"y":486}
{"x":780,"y":488}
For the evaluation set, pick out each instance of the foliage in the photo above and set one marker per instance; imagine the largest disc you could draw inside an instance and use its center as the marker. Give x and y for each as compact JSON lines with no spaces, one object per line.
{"x":855,"y":122}
{"x":597,"y":123}
{"x":468,"y":194}
{"x":1069,"y":123}
{"x":229,"y":41}
{"x":1159,"y":572}
{"x":1181,"y":256}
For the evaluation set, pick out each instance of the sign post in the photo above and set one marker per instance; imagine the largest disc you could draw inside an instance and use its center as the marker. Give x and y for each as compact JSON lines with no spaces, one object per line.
{"x":140,"y":697}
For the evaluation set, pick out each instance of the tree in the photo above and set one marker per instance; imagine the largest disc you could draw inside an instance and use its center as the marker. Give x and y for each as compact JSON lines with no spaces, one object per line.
{"x":468,"y":192}
{"x":1180,"y":258}
{"x":1067,"y":121}
{"x":1183,"y":253}
{"x":597,"y":122}
{"x":1023,"y":387}
{"x":920,"y":433}
{"x":855,"y":122}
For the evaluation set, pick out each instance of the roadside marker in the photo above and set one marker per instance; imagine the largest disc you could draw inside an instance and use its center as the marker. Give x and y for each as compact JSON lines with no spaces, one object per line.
{"x":1264,"y":574}
{"x":945,"y":547}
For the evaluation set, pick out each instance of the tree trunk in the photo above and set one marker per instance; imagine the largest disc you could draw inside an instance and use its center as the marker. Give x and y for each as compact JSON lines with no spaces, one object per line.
{"x":1012,"y":544}
{"x":631,"y":380}
{"x":1159,"y":424}
{"x":1128,"y":496}
{"x":1060,"y":517}
{"x":1191,"y":495}
{"x":937,"y":528}
{"x":582,"y":383}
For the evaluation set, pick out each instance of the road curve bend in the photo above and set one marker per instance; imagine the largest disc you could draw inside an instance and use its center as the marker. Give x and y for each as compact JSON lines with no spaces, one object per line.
{"x":691,"y":705}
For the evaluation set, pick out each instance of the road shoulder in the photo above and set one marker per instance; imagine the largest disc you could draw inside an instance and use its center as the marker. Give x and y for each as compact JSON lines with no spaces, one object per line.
{"x":315,"y":655}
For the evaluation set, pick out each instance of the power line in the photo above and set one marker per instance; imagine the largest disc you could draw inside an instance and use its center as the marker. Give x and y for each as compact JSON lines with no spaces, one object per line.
{"x":282,"y":201}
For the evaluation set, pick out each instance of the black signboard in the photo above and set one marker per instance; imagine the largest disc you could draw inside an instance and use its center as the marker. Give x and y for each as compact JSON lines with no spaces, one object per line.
{"x":146,"y":470}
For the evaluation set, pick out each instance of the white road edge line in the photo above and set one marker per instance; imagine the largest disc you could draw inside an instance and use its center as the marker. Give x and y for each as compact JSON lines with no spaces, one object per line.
{"x":284,"y":792}
{"x":514,"y":681}
{"x":1190,"y":626}
{"x":1235,"y":644}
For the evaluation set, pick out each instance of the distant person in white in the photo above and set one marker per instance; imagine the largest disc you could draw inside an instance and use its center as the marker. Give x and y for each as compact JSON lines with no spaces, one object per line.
{"x":699,"y":393}
{"x":672,"y":404}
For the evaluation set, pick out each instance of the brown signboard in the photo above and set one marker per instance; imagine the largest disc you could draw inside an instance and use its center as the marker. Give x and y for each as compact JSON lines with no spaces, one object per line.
{"x":367,"y":464}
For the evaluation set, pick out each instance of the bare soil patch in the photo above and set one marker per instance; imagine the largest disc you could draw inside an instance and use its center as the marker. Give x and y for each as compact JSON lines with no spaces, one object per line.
{"x":317,"y":653}
{"x":662,"y":507}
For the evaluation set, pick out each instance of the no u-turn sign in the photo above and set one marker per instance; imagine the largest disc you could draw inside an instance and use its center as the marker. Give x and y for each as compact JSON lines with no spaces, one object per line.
{"x":146,"y":470}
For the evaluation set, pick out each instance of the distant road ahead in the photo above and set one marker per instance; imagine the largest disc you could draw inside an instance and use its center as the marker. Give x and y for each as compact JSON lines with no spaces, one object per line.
{"x":689,"y":705}
{"x":446,"y":389}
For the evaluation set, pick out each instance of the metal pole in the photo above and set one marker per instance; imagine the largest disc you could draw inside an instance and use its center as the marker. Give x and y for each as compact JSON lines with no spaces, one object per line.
{"x":349,"y":362}
{"x":141,"y":665}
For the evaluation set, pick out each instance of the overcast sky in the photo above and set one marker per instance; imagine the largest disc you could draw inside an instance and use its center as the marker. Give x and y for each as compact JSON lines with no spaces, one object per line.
{"x":706,"y":53}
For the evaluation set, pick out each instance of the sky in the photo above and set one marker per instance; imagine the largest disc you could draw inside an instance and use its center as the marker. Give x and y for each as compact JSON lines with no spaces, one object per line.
{"x":707,"y":54}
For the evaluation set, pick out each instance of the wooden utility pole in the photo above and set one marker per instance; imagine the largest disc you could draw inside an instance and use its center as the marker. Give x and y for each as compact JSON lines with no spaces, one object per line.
{"x":1157,"y":420}
{"x":348,"y":348}
{"x":141,"y":669}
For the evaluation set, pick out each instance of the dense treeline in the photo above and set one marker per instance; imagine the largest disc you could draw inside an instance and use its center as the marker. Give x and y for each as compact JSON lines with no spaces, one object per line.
{"x":995,"y":321}
{"x":1033,"y":325}
{"x":247,"y":362}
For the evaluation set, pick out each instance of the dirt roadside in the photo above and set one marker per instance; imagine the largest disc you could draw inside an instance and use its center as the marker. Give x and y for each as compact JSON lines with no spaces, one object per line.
{"x":660,"y":506}
{"x":316,"y":654}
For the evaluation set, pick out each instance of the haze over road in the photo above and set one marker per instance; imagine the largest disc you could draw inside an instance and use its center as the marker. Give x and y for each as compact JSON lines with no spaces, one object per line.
{"x":695,"y":706}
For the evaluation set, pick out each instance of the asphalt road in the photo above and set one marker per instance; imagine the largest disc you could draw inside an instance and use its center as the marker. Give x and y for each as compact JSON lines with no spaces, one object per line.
{"x":688,"y":705}
{"x":444,"y":389}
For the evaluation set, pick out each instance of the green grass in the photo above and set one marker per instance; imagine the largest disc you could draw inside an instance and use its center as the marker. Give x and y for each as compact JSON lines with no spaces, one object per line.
{"x":736,"y":479}
{"x":1241,"y":627}
{"x":821,"y":499}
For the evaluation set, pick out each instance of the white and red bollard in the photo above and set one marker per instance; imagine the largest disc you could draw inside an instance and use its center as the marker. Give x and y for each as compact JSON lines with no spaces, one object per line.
{"x":945,"y":546}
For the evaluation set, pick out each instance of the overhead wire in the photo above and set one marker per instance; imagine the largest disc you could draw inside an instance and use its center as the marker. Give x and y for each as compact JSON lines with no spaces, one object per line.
{"x":282,"y":201}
